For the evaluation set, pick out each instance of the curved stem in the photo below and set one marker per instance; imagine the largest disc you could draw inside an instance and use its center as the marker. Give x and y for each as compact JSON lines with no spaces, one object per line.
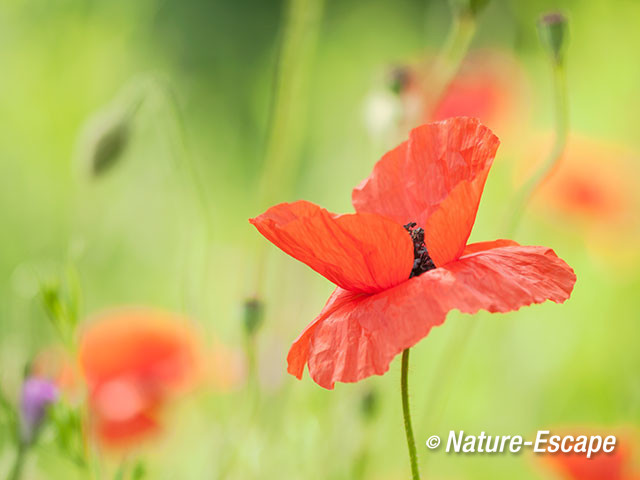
{"x":450,"y":58}
{"x":285,"y":128}
{"x":175,"y":115}
{"x":16,"y":470}
{"x":560,"y":142}
{"x":411,"y":443}
{"x":184,"y":157}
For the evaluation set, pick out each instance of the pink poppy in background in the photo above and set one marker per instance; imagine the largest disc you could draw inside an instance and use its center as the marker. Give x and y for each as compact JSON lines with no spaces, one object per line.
{"x":133,"y":361}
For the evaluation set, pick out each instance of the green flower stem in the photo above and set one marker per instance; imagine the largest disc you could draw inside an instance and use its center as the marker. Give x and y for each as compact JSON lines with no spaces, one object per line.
{"x":299,"y":33}
{"x":411,"y":443}
{"x":448,"y":62}
{"x":185,"y":158}
{"x":559,"y":145}
{"x":360,"y":464}
{"x":284,"y":129}
{"x":181,"y":144}
{"x":18,"y":464}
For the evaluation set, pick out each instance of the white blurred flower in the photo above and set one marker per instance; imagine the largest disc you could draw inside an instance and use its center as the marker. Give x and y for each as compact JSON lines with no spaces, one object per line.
{"x":382,"y":111}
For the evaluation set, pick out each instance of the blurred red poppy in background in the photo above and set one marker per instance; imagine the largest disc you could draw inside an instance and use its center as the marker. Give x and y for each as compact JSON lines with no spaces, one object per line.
{"x":616,"y":465}
{"x":593,"y":184}
{"x":592,"y":191}
{"x":490,"y":86}
{"x":402,"y":262}
{"x":133,"y":360}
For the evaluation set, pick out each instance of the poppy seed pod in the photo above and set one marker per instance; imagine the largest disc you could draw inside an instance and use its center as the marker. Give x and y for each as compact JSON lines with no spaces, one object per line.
{"x":252,"y":316}
{"x":553,"y":30}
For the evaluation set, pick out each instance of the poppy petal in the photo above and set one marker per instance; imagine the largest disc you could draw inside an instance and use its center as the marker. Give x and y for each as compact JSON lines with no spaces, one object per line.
{"x":142,"y":343}
{"x":615,"y":465}
{"x":440,"y":172}
{"x":299,"y":353}
{"x":482,"y":246}
{"x":127,"y":432}
{"x":361,"y":252}
{"x":447,"y":229}
{"x":357,"y":336}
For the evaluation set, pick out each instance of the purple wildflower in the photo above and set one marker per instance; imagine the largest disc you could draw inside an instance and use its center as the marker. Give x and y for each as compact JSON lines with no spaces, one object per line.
{"x":37,"y":395}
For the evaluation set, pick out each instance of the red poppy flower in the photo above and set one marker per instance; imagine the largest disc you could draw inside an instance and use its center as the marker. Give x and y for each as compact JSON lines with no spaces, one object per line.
{"x":402,"y":262}
{"x":593,"y":194}
{"x":594,"y":182}
{"x":616,"y":465}
{"x":132,"y":361}
{"x":490,"y":86}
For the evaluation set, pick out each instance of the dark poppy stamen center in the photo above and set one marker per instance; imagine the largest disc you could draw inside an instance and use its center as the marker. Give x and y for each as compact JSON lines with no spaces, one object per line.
{"x":421,"y":260}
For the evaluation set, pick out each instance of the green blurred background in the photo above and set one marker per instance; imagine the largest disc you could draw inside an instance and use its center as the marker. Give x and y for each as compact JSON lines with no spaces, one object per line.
{"x":136,"y":234}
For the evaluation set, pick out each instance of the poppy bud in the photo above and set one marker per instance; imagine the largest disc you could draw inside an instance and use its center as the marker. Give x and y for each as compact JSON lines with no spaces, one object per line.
{"x":399,"y":78}
{"x":553,"y":30}
{"x":253,"y":315}
{"x":369,"y":404}
{"x":60,"y":299}
{"x":37,"y":395}
{"x":109,"y":145}
{"x":107,"y":136}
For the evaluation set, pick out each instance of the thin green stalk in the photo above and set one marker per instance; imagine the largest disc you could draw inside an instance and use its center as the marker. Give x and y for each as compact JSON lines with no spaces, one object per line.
{"x":360,"y":465}
{"x":453,"y":52}
{"x":411,"y":443}
{"x":184,"y":157}
{"x":179,"y":129}
{"x":561,"y":133}
{"x":285,"y":129}
{"x":18,"y":464}
{"x":298,"y":38}
{"x":252,"y":366}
